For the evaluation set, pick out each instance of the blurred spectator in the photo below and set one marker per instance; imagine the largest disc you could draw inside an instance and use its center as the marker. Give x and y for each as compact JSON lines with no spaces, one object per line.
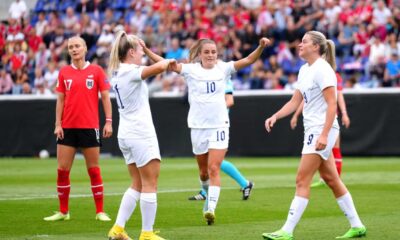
{"x":39,"y":79}
{"x":392,"y":71}
{"x":152,"y":20}
{"x":85,"y":6}
{"x":41,"y":90}
{"x":331,"y":17}
{"x":256,"y":78}
{"x":90,"y":30}
{"x":265,"y":21}
{"x":281,"y":15}
{"x":381,"y":14}
{"x":291,"y":82}
{"x":70,"y":20}
{"x":18,"y":9}
{"x":51,"y":75}
{"x":138,"y":20}
{"x":108,"y":17}
{"x":361,"y":38}
{"x":377,"y":60}
{"x":104,"y":45}
{"x":18,"y":58}
{"x":175,"y":52}
{"x":34,"y":40}
{"x":20,"y":79}
{"x":26,"y":88}
{"x":41,"y":24}
{"x":42,"y":56}
{"x":392,"y":46}
{"x":346,"y":37}
{"x":6,"y":83}
{"x":58,"y":44}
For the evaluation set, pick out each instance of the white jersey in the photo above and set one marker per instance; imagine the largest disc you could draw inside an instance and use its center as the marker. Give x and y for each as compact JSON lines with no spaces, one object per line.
{"x":312,"y":80}
{"x":132,"y":96}
{"x":207,"y":94}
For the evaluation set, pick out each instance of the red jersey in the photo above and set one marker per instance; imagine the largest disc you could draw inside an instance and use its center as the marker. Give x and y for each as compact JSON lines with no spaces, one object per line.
{"x":81,"y":88}
{"x":339,"y":82}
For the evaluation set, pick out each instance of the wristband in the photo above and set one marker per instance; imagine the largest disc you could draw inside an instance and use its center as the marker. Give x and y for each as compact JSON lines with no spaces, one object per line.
{"x":108,"y":119}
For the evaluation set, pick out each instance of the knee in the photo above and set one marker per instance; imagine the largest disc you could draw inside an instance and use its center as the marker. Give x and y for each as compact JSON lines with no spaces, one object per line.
{"x":301,"y":182}
{"x":203,"y":173}
{"x":213,"y":170}
{"x":331,"y":181}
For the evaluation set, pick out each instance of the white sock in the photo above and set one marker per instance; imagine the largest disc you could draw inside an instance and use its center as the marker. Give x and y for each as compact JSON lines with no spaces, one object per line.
{"x":213,"y":195}
{"x":148,"y":207}
{"x":347,"y":205}
{"x":296,"y":210}
{"x":127,"y":206}
{"x":205,"y":184}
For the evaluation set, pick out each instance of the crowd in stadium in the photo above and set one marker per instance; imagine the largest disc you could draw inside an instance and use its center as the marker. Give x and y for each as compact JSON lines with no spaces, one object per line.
{"x":366,"y":33}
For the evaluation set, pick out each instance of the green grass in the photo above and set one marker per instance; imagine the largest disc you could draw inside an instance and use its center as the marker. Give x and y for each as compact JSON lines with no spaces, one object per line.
{"x":27,"y":194}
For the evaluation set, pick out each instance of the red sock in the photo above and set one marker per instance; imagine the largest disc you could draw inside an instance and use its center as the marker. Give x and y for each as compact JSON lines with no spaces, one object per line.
{"x":97,"y":187}
{"x":337,"y":154}
{"x":63,"y":189}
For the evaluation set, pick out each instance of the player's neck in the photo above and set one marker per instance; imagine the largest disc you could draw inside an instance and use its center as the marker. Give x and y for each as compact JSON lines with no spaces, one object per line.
{"x":79,"y":64}
{"x":311,"y":60}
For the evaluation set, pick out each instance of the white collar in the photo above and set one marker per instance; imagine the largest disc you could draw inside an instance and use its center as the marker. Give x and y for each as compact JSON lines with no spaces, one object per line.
{"x":87,"y":63}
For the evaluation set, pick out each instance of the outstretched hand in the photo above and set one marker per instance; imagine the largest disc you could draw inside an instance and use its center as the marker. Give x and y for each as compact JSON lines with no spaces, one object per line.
{"x":264,"y":42}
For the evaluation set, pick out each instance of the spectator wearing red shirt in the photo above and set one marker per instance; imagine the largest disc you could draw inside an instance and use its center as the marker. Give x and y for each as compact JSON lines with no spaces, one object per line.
{"x":77,"y":124}
{"x":34,"y":40}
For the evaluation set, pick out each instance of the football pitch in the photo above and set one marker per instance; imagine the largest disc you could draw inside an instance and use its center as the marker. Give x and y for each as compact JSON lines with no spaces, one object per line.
{"x":28,"y":193}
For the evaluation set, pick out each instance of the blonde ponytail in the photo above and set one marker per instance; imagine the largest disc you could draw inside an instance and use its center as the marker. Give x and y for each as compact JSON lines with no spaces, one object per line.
{"x":326,"y":47}
{"x":123,"y":42}
{"x":330,"y":54}
{"x":114,"y":54}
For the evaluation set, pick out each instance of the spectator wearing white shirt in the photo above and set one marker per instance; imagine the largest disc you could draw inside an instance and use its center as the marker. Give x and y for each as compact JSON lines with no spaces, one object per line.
{"x":41,"y":24}
{"x":51,"y":75}
{"x":18,"y":9}
{"x":381,"y":14}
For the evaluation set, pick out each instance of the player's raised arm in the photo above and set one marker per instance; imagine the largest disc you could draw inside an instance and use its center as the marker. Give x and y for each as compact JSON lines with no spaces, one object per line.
{"x":252,"y":57}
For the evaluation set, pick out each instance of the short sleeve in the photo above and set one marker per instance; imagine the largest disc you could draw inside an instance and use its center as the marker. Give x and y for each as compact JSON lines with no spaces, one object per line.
{"x":60,"y":86}
{"x":137,"y":73}
{"x":102,"y":80}
{"x":228,"y":67}
{"x":326,"y":78}
{"x":186,"y":69}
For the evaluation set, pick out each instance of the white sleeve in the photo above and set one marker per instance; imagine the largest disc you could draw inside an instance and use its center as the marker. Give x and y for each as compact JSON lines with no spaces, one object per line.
{"x":187,"y":69}
{"x":228,"y":67}
{"x":136,"y":73}
{"x":325,"y":79}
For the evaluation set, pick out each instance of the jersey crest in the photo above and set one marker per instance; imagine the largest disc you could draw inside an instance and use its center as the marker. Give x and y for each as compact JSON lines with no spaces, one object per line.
{"x":89,"y":83}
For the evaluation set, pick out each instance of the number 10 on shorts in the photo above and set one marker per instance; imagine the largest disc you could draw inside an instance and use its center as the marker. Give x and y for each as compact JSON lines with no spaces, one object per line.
{"x":220,"y":136}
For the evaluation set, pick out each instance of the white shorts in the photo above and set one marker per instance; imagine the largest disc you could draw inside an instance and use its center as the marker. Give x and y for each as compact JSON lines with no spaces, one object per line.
{"x":310,"y":138}
{"x":209,"y":138}
{"x":139,"y":151}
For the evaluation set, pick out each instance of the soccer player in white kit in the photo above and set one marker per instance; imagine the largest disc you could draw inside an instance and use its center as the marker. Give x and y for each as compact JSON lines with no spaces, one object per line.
{"x":317,"y":86}
{"x":208,"y":119}
{"x":136,"y":133}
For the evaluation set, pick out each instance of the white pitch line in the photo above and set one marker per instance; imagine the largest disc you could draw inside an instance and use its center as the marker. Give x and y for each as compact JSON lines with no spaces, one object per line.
{"x":49,"y":196}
